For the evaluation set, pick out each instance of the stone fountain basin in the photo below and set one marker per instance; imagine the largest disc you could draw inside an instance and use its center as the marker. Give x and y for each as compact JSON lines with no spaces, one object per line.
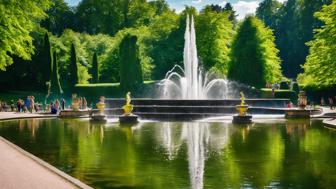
{"x":158,"y":109}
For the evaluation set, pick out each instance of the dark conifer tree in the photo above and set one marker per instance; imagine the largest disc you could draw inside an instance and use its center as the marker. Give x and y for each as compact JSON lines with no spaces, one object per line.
{"x":254,"y":58}
{"x":130,"y":68}
{"x":55,"y":86}
{"x":95,"y":69}
{"x":232,"y":17}
{"x":73,"y":67}
{"x":46,"y":67}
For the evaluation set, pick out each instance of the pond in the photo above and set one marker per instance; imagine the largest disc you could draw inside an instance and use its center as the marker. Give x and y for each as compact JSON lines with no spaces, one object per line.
{"x":274,"y":154}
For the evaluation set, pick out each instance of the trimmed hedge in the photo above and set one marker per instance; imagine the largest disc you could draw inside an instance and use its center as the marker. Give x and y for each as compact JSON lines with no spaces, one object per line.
{"x":284,"y":85}
{"x":315,"y":94}
{"x":113,"y":90}
{"x":290,"y":94}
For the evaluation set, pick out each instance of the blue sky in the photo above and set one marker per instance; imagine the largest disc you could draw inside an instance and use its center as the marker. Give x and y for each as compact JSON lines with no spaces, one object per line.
{"x":242,"y":7}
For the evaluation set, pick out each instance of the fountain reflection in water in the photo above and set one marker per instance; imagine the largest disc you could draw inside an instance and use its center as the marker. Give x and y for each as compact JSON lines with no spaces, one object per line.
{"x":200,"y":141}
{"x":191,"y":82}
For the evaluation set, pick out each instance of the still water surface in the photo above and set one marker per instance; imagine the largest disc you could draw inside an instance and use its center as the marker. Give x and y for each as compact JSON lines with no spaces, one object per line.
{"x":288,"y":154}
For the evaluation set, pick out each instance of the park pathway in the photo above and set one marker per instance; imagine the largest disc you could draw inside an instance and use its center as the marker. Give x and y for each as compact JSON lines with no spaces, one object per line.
{"x":19,"y":169}
{"x":16,"y":115}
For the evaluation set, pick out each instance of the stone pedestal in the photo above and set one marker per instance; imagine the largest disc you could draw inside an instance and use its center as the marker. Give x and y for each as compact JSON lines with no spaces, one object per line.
{"x":74,"y":113}
{"x":297,"y":113}
{"x":237,"y":119}
{"x":98,"y":118}
{"x":128,"y":119}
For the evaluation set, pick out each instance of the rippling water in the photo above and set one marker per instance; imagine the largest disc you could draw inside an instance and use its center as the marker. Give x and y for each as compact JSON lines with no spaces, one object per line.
{"x":287,"y":154}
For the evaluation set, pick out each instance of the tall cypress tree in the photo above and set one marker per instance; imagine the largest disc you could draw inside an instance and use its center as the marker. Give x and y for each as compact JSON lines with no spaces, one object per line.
{"x":46,"y":67}
{"x":55,"y":86}
{"x":254,"y":58}
{"x":130,"y":68}
{"x":95,"y":69}
{"x":73,"y":67}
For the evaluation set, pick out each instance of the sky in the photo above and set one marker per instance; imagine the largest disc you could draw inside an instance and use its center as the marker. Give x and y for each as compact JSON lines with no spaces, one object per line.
{"x":242,"y":7}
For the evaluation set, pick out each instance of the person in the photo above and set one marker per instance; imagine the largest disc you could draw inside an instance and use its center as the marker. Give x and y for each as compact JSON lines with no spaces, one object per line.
{"x":12,"y":106}
{"x":80,"y":103}
{"x":32,"y":104}
{"x":62,"y":104}
{"x":331,"y":103}
{"x":27,"y":104}
{"x":53,"y":108}
{"x":57,"y":104}
{"x":20,"y":105}
{"x":322,"y":102}
{"x":84,"y":103}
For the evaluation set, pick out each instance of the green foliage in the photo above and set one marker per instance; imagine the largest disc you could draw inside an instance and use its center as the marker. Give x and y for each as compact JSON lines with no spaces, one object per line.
{"x":165,"y":42}
{"x":130,"y":68}
{"x":254,"y":58}
{"x":17,"y":20}
{"x":140,"y":13}
{"x":214,"y":36}
{"x":320,"y":69}
{"x":95,"y":69}
{"x":55,"y":86}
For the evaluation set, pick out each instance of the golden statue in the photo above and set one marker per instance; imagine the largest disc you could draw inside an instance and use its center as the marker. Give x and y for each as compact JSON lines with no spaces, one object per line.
{"x":128,"y":98}
{"x":101,"y":105}
{"x":128,"y":107}
{"x":242,"y":108}
{"x":242,"y":98}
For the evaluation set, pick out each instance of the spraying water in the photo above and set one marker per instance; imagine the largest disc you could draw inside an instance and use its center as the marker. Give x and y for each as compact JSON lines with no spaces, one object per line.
{"x":191,"y":82}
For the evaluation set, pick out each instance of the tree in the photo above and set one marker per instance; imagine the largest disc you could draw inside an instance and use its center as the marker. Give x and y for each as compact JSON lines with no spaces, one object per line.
{"x":60,"y":17}
{"x":95,"y":69}
{"x":267,"y":11}
{"x":17,"y":20}
{"x":214,"y":31}
{"x":130,"y":68}
{"x":161,"y":6}
{"x":55,"y":86}
{"x":293,"y":24}
{"x":320,"y":68}
{"x":73,"y":67}
{"x":46,"y":63}
{"x":140,"y":13}
{"x":233,"y":16}
{"x":254,"y":58}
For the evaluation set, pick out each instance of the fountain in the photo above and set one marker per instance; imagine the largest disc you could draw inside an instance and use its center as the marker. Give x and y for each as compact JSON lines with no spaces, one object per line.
{"x":189,"y":93}
{"x":100,"y":116}
{"x":128,"y":117}
{"x":301,"y":111}
{"x":191,"y":82}
{"x":242,"y":117}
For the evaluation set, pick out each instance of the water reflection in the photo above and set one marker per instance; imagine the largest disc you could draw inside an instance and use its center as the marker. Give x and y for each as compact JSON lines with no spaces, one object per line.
{"x":291,"y":154}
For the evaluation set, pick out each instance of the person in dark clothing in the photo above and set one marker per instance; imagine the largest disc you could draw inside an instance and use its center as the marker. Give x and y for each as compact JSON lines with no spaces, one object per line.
{"x":331,"y":103}
{"x":63,"y":104}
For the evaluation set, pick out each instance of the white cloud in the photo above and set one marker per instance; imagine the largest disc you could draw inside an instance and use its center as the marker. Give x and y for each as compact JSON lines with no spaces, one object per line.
{"x":244,"y":8}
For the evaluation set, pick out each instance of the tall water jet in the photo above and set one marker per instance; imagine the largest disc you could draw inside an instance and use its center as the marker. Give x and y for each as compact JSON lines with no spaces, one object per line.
{"x":191,"y":82}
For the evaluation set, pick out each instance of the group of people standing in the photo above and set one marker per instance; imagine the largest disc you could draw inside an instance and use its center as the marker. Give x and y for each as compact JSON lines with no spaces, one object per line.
{"x":28,"y":105}
{"x":58,"y":105}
